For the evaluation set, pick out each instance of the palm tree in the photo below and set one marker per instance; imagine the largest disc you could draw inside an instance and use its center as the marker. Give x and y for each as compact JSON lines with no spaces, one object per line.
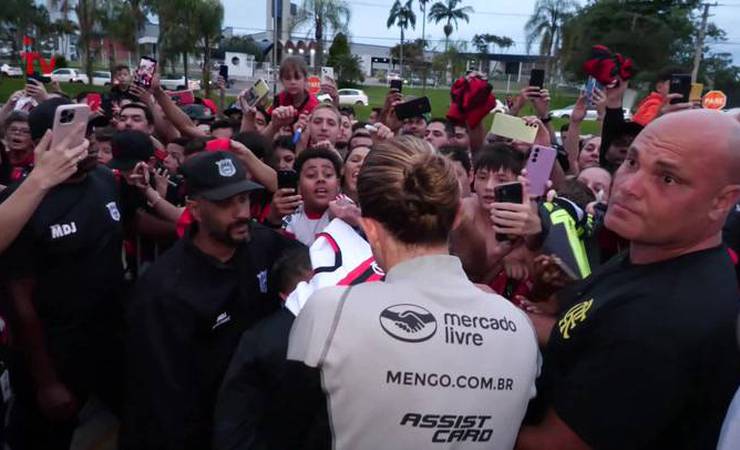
{"x":209,"y":17}
{"x":88,"y":15}
{"x":423,"y":7}
{"x":546,"y":24}
{"x":403,"y":16}
{"x":448,"y":11}
{"x":321,"y":16}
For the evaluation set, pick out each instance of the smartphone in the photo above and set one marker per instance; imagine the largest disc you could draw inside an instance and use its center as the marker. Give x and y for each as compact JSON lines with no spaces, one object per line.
{"x":25,"y":103}
{"x":38,"y":78}
{"x":508,"y":193}
{"x":256,"y":93}
{"x":93,"y":100}
{"x":327,"y":72}
{"x":70,"y":120}
{"x":145,"y":72}
{"x":287,"y":179}
{"x":512,"y":127}
{"x":537,"y":78}
{"x":696,"y":90}
{"x":680,"y":84}
{"x":397,"y":85}
{"x":591,"y":85}
{"x":539,"y":168}
{"x":413,"y":108}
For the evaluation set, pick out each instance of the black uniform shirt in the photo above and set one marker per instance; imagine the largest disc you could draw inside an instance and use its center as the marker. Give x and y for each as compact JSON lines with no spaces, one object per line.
{"x":646,"y":357}
{"x":71,"y":246}
{"x":187,"y":315}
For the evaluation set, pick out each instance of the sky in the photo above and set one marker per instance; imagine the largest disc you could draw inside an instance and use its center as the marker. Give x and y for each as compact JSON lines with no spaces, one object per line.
{"x":500,"y":17}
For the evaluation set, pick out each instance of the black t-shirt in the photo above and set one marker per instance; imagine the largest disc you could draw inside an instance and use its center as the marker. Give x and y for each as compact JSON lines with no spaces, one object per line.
{"x":645,"y":356}
{"x":185,"y":320}
{"x":71,"y":248}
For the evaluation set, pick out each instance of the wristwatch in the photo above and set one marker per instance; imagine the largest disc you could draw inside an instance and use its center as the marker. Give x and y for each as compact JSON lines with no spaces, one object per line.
{"x":546,"y":119}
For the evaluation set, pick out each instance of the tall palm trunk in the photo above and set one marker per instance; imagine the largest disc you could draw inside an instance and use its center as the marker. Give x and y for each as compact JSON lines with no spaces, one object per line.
{"x":424,"y":46}
{"x":206,"y":66}
{"x":401,"y":70}
{"x":319,"y":58}
{"x":185,"y":68}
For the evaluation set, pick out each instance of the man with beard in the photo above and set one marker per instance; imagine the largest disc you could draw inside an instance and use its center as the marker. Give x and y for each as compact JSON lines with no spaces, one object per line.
{"x":190,"y":308}
{"x":63,"y":275}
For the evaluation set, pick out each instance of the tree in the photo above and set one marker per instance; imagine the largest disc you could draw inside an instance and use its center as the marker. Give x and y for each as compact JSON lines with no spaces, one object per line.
{"x":546,"y":24}
{"x":423,"y":8}
{"x":347,"y":67}
{"x":449,"y":12}
{"x":482,"y":42}
{"x":20,"y":18}
{"x":88,"y":14}
{"x":322,"y":16}
{"x":243,"y":44}
{"x":668,"y":27}
{"x":403,"y":16}
{"x":209,"y":17}
{"x":119,"y":23}
{"x":413,"y":53}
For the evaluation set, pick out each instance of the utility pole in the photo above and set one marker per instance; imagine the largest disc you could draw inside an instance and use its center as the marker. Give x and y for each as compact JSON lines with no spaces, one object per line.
{"x":700,"y":42}
{"x":275,"y":43}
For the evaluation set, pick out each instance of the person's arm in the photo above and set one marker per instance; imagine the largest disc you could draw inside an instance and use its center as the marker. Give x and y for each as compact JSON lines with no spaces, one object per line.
{"x":613,"y":118}
{"x":55,"y":399}
{"x":282,"y":116}
{"x":52,"y":166}
{"x":477,"y":138}
{"x":176,"y":116}
{"x":164,"y":209}
{"x":552,"y":434}
{"x":261,"y":172}
{"x":162,"y":126}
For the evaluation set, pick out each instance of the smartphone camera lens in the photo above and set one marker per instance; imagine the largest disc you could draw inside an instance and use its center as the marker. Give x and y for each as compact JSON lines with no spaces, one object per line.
{"x":67,"y":116}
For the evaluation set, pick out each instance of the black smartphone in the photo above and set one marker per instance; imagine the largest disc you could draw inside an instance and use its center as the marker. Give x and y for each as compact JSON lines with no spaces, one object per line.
{"x":413,"y":108}
{"x":287,"y":179}
{"x":537,"y":78}
{"x":508,"y":193}
{"x":223,"y":71}
{"x":145,"y":72}
{"x":36,"y":77}
{"x":680,"y":84}
{"x":397,"y":85}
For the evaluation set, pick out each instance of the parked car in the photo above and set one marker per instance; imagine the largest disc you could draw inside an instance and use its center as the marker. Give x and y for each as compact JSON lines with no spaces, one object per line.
{"x":101,"y":78}
{"x":346,"y":97}
{"x":10,"y":71}
{"x":177,"y":83}
{"x":352,"y":97}
{"x":68,"y":75}
{"x":591,"y":114}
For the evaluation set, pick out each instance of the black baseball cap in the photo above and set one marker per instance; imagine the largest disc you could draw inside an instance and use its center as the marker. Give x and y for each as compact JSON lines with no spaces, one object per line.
{"x":216,"y":176}
{"x":41,"y":118}
{"x":130,"y":147}
{"x":198,"y":113}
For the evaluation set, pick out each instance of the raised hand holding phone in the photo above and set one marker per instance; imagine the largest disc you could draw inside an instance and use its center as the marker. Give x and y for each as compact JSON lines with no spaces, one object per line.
{"x":511,"y":218}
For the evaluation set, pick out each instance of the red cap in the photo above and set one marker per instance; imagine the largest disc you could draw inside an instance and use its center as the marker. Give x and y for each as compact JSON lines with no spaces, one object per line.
{"x":208,"y":103}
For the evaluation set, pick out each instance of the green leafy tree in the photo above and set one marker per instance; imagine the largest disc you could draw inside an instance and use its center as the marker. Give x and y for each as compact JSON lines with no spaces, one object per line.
{"x":402,"y":15}
{"x":88,"y":16}
{"x":413,"y":56}
{"x":449,"y":12}
{"x":320,"y":16}
{"x":347,"y":67}
{"x":209,"y":18}
{"x":20,"y":18}
{"x":546,"y":24}
{"x":667,"y":31}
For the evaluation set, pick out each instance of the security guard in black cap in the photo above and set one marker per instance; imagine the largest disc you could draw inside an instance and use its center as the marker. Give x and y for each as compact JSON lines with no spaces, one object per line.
{"x":190,"y":308}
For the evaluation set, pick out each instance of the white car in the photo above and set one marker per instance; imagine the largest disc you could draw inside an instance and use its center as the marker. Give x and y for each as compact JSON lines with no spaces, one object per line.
{"x":352,"y":97}
{"x":591,"y":114}
{"x":177,"y":83}
{"x":10,"y":71}
{"x":68,"y":76}
{"x":346,"y":97}
{"x":101,"y":78}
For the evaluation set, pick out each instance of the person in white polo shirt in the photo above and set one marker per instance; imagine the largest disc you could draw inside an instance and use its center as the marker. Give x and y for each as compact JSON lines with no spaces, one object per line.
{"x":422,"y":360}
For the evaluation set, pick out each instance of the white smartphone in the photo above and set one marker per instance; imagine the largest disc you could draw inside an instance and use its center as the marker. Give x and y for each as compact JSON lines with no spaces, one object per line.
{"x":256,"y":93}
{"x":70,"y":121}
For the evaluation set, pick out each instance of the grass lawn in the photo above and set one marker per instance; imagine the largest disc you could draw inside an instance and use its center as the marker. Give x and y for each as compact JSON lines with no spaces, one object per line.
{"x":439,"y":98}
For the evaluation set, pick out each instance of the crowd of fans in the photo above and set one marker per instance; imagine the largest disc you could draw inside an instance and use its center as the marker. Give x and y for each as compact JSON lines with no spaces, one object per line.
{"x":283,"y":275}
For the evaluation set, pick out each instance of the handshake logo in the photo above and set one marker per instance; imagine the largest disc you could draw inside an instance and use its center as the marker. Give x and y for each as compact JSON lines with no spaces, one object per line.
{"x":408,"y":323}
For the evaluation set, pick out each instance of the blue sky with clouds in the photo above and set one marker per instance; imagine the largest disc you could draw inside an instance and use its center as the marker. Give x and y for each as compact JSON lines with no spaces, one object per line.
{"x":491,"y":16}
